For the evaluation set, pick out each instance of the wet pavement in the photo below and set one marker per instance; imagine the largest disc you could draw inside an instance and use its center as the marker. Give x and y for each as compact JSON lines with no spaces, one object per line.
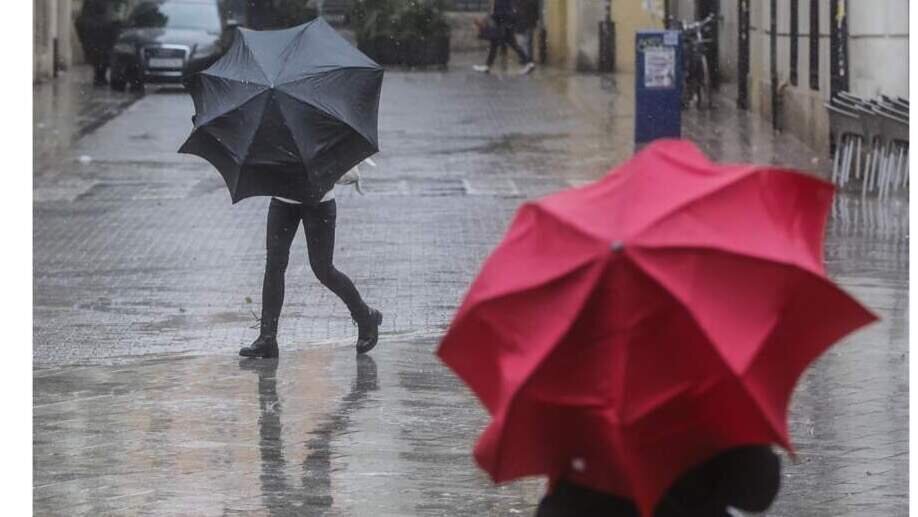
{"x":66,"y":110}
{"x":145,"y":279}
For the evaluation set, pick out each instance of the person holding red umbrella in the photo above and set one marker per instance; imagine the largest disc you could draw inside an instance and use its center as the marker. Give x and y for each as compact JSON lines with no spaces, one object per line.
{"x":745,"y":478}
{"x":638,"y":340}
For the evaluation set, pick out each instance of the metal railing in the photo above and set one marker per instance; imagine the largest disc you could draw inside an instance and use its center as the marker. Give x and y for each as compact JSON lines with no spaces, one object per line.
{"x":871,"y":142}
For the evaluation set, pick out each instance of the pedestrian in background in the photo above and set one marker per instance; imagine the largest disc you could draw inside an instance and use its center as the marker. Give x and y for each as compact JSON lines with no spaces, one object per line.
{"x":97,"y":27}
{"x":504,"y":16}
{"x":530,"y":14}
{"x":744,"y":478}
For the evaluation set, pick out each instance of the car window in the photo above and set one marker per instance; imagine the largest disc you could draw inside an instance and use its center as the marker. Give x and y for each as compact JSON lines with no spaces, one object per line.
{"x":176,"y":15}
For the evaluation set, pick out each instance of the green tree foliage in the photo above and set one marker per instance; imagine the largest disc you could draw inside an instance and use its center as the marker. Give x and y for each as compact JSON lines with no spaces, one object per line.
{"x":293,"y":12}
{"x":398,"y":19}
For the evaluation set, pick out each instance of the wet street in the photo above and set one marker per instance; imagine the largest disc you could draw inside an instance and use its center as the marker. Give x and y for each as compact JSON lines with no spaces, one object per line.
{"x":147,"y":279}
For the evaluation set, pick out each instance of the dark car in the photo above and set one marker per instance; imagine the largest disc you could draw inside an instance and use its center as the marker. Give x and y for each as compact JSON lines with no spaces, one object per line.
{"x":164,"y":41}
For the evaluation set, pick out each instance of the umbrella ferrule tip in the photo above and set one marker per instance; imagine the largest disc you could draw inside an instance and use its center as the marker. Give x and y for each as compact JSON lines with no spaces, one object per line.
{"x":617,"y":246}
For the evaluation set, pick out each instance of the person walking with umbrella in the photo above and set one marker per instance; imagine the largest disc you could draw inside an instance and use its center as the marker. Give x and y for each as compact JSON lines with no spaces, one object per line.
{"x":655,"y":322}
{"x":288,"y":114}
{"x":318,"y":220}
{"x":503,"y":15}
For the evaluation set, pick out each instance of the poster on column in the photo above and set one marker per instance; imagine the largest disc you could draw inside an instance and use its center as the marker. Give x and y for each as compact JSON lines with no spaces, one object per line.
{"x":659,"y":67}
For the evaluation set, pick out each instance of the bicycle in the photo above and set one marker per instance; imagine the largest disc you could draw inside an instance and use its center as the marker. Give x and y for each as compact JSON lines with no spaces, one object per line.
{"x":698,"y":83}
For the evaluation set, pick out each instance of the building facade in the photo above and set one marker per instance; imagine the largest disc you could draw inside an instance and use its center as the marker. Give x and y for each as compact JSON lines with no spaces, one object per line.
{"x":53,"y":37}
{"x":572,"y":28}
{"x":820,"y":47}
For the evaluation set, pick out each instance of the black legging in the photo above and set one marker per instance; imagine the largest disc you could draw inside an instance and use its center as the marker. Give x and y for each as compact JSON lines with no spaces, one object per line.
{"x":319,"y":223}
{"x":506,"y":36}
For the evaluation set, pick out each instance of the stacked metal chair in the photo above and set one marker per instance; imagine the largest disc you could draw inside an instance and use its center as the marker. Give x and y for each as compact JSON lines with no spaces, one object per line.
{"x":871,"y":142}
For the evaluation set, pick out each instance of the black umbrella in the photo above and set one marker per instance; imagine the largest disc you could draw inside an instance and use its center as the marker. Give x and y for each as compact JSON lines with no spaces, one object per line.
{"x":286,"y":112}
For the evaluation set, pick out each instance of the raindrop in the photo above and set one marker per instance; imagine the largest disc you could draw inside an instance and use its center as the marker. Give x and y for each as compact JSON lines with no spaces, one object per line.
{"x":85,"y":159}
{"x":578,"y":464}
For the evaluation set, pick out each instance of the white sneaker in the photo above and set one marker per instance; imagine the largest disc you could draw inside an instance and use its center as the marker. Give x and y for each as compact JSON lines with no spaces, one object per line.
{"x":481,"y":68}
{"x":530,"y":66}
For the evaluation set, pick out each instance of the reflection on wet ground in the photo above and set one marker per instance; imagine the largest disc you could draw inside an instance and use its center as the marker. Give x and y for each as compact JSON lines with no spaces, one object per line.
{"x":320,"y":432}
{"x":68,"y":109}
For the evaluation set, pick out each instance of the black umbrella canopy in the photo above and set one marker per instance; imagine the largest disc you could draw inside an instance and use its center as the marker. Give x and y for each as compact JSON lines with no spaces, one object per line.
{"x":286,"y":112}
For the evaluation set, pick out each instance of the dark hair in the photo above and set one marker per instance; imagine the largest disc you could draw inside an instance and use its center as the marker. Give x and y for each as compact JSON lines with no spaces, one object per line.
{"x":746,"y":478}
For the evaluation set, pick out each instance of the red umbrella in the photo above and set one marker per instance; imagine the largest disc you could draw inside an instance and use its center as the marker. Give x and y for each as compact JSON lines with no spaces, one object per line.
{"x":625,"y":331}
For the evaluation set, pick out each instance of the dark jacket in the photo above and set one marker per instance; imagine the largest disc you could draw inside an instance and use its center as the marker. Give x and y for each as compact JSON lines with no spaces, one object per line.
{"x":745,"y":478}
{"x":528,"y":13}
{"x":505,"y":8}
{"x":97,"y":27}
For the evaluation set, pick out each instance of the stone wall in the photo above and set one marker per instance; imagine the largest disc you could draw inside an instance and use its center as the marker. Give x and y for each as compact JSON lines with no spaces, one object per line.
{"x":573,"y":30}
{"x":52,"y":25}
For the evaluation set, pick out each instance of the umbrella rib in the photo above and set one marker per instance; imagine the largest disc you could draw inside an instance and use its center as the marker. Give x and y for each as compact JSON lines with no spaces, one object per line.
{"x":716,"y":248}
{"x":745,"y":174}
{"x":675,"y":208}
{"x":319,"y":108}
{"x":332,"y":68}
{"x":541,"y":210}
{"x":296,"y":141}
{"x":511,"y":400}
{"x":247,"y":100}
{"x":255,"y":60}
{"x":323,"y":112}
{"x":248,"y":148}
{"x":737,"y":375}
{"x":201,"y":127}
{"x":293,"y":41}
{"x":216,"y":75}
{"x":218,"y":142}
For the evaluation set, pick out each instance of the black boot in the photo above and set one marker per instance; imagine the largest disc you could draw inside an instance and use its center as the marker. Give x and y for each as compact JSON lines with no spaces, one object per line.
{"x":264,"y":347}
{"x":368,"y":330}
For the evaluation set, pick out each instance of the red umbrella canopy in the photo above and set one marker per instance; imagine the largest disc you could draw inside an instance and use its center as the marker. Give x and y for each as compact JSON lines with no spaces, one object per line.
{"x":628,"y":330}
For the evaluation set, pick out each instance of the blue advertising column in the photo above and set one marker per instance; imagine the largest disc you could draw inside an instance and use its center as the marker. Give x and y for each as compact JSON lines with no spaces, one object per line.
{"x":658,"y":86}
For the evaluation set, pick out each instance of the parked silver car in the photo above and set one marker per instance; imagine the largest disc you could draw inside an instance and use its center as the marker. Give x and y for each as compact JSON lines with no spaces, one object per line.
{"x":163,"y":41}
